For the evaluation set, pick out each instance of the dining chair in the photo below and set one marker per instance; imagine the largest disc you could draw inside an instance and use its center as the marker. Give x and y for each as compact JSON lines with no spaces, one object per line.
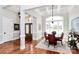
{"x":60,"y":38}
{"x":45,"y":36}
{"x":51,"y":40}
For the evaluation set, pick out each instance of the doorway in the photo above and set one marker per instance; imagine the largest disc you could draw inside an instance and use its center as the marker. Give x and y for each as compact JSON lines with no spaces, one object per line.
{"x":28,"y":31}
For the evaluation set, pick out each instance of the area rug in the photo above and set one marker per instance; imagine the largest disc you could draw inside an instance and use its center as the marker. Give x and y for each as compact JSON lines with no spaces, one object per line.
{"x":58,"y":48}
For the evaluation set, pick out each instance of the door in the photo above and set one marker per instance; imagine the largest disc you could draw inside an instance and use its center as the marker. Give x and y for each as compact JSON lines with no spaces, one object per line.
{"x":28,"y":31}
{"x":7,"y":29}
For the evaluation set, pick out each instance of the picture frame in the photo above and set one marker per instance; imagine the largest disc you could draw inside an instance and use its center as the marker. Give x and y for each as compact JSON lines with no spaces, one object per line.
{"x":16,"y":27}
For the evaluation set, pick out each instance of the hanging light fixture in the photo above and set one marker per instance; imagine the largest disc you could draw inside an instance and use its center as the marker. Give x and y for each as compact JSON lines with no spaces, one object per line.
{"x":52,"y":13}
{"x":19,"y":14}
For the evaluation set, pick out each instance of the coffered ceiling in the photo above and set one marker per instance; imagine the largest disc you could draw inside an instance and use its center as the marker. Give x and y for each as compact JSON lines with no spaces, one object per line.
{"x":43,"y":10}
{"x":47,"y":10}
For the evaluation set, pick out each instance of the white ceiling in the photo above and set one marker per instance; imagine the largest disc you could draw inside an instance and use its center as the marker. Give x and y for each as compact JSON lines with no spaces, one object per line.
{"x":13,"y":8}
{"x":43,"y":10}
{"x":48,"y":10}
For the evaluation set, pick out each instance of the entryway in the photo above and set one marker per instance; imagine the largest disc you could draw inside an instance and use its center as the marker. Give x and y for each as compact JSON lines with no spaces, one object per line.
{"x":28,"y":31}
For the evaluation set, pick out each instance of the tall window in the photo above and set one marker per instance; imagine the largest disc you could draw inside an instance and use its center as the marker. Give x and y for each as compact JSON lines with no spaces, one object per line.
{"x":57,"y":25}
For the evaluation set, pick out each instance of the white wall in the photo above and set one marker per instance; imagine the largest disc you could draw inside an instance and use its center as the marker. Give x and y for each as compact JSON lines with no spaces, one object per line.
{"x":37,"y":28}
{"x":14,"y":17}
{"x":68,"y":17}
{"x":0,"y":29}
{"x":74,"y":12}
{"x":37,"y":25}
{"x":43,"y":25}
{"x":34,"y":27}
{"x":66,"y":24}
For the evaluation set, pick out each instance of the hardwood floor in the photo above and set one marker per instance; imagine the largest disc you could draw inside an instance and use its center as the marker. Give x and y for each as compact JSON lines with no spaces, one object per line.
{"x":12,"y":47}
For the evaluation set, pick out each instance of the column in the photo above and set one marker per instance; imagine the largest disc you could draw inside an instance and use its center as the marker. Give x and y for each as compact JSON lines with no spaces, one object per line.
{"x":66,"y":25}
{"x":22,"y":29}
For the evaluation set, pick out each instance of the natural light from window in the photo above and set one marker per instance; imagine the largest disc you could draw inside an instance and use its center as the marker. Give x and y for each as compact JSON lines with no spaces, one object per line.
{"x":57,"y":24}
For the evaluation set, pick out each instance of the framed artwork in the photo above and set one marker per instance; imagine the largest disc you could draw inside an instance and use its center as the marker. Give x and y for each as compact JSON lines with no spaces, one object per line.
{"x":16,"y":27}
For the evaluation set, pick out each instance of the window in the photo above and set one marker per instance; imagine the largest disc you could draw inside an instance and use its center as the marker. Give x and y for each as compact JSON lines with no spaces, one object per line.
{"x":57,"y":24}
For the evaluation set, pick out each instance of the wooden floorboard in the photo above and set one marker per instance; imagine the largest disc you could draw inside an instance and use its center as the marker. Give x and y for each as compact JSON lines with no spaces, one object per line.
{"x":13,"y":47}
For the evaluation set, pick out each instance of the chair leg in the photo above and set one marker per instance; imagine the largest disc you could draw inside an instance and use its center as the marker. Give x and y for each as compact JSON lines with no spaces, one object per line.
{"x":48,"y":45}
{"x":54,"y":46}
{"x":61,"y":43}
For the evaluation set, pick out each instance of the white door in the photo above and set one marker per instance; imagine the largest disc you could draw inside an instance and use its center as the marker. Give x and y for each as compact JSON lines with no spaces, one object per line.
{"x":7,"y":29}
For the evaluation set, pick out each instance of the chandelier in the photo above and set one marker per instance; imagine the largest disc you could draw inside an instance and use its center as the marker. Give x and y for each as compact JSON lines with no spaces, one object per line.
{"x":52,"y":13}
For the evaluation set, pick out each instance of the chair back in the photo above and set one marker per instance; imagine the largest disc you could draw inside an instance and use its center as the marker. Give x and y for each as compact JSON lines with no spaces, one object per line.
{"x":51,"y":39}
{"x":54,"y":32}
{"x":45,"y":34}
{"x":62,"y":35}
